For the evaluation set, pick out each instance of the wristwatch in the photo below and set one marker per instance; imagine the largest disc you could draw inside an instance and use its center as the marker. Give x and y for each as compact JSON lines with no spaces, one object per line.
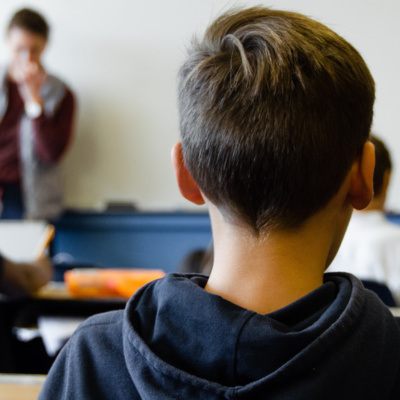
{"x":33,"y":109}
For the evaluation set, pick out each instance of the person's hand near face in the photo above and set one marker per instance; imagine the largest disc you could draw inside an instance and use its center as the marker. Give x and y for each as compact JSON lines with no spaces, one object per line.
{"x":26,"y":68}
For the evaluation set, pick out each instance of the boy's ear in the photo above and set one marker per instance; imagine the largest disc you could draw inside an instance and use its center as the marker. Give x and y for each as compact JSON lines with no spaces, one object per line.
{"x":362,"y":178}
{"x":187,"y":185}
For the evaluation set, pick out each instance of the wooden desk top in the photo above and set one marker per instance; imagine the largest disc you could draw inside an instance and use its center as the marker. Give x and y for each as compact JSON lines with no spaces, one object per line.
{"x":58,"y":291}
{"x":20,"y":387}
{"x":53,"y":290}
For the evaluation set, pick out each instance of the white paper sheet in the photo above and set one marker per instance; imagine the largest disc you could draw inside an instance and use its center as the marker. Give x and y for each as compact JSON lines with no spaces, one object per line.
{"x":19,"y":240}
{"x":55,"y":331}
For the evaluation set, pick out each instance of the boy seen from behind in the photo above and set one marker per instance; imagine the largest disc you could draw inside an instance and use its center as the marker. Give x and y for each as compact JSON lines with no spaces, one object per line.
{"x":275,"y":113}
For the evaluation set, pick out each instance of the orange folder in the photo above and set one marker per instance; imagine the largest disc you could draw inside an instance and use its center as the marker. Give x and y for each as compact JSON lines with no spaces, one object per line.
{"x":87,"y":282}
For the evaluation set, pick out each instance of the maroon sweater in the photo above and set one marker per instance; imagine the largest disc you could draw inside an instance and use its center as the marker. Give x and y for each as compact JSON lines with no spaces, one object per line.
{"x":52,"y":135}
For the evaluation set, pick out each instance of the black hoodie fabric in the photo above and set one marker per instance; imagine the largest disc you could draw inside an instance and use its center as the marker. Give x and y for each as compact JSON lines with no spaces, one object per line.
{"x":174,"y":340}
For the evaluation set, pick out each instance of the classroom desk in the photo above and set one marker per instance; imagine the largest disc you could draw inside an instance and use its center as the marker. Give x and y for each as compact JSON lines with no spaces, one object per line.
{"x":20,"y":387}
{"x":57,"y":291}
{"x":24,"y":312}
{"x":54,"y":299}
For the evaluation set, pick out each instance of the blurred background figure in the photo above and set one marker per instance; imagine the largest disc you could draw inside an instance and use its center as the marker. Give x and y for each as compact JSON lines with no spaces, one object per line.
{"x":198,"y":261}
{"x":36,"y":120}
{"x":18,"y":278}
{"x":371,"y":246}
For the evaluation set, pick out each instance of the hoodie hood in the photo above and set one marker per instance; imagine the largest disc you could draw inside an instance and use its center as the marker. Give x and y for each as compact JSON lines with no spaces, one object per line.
{"x":337,"y":339}
{"x":175,"y":341}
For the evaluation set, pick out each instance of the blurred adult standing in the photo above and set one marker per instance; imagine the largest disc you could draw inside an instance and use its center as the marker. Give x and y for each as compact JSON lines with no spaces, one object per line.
{"x":36,"y":123}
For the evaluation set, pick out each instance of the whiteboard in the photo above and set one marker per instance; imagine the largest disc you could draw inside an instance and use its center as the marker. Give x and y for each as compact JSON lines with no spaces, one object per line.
{"x":121,"y":59}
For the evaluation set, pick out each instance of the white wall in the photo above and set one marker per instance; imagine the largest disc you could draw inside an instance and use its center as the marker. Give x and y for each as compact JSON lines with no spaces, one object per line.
{"x":121,"y":58}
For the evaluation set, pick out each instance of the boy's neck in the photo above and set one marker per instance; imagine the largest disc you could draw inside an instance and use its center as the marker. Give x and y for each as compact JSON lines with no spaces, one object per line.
{"x":266,"y":274}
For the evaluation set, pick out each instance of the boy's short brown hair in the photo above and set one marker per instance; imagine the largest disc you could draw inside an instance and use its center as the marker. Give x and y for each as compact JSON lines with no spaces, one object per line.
{"x":274,"y":108}
{"x":31,"y":21}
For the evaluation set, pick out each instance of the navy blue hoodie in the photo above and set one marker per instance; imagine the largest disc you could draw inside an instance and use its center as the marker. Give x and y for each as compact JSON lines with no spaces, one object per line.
{"x":174,"y":340}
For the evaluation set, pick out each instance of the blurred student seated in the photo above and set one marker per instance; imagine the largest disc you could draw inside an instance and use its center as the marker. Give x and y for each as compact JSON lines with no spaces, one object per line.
{"x":371,"y":246}
{"x":197,"y":261}
{"x":17,"y":278}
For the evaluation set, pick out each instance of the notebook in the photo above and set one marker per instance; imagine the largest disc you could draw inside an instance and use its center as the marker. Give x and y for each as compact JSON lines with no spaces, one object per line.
{"x":21,"y":240}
